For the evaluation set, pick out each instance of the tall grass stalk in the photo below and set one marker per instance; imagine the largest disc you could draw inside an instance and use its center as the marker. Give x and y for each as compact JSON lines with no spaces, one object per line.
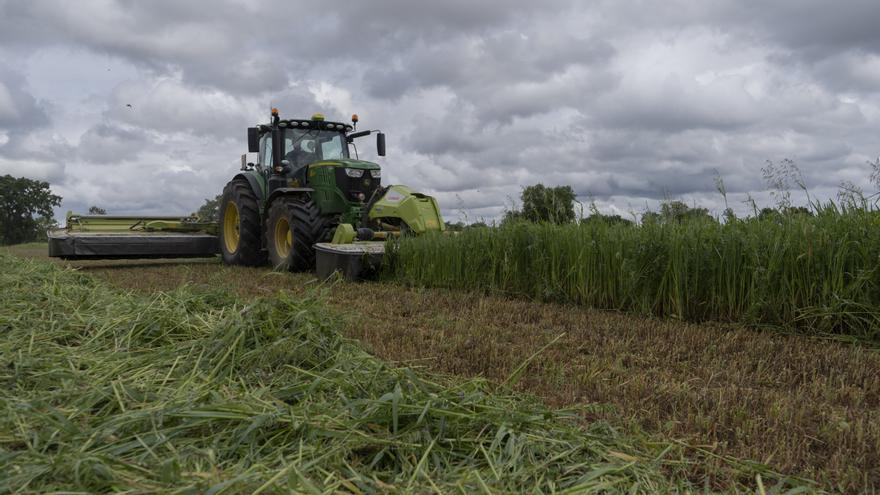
{"x":810,"y":273}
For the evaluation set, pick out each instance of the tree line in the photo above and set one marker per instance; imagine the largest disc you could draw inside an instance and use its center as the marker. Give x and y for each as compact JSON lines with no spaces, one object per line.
{"x":559,"y":205}
{"x":27,"y":206}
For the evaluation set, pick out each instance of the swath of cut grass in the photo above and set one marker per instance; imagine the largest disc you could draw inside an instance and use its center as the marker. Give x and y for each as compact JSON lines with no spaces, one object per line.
{"x":807,"y":406}
{"x":195,"y":392}
{"x":816,"y":274}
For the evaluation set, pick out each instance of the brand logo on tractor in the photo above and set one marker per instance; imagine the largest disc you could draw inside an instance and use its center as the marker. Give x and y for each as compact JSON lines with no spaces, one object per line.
{"x":393,"y":197}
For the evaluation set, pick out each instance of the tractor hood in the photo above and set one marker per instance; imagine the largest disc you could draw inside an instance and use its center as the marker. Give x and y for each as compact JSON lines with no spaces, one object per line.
{"x":347,"y":163}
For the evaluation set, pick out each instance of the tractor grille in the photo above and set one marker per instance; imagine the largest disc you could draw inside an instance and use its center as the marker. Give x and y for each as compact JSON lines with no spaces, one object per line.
{"x":366,"y":184}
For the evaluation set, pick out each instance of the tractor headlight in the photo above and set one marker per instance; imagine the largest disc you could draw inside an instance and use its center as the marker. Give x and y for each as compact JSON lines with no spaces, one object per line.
{"x":376,"y":174}
{"x":354,"y":173}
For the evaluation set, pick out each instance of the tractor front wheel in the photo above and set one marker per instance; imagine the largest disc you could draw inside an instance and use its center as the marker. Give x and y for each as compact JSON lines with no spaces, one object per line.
{"x":240,"y":225}
{"x":293,"y":227}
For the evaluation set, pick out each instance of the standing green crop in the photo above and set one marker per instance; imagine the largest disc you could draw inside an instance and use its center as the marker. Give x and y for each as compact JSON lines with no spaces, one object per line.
{"x":816,"y":273}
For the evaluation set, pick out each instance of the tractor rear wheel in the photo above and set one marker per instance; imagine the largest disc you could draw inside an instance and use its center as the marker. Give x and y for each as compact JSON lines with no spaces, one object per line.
{"x":293,"y":227}
{"x":240,"y":225}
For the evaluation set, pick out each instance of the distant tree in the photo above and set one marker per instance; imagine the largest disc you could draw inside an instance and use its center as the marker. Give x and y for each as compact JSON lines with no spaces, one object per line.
{"x":548,"y":204}
{"x":785,"y":211}
{"x":544,"y":204}
{"x":25,"y":209}
{"x":676,"y":211}
{"x":606,"y":219}
{"x":512,"y":216}
{"x":768,"y":213}
{"x":461,"y":226}
{"x":455,"y":226}
{"x":210,"y":210}
{"x":651,"y":217}
{"x":44,"y":225}
{"x":680,"y":212}
{"x":729,"y":215}
{"x":97,"y":210}
{"x":798,"y":210}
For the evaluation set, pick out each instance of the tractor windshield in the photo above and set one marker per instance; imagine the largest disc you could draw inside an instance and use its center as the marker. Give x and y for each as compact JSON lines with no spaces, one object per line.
{"x":305,"y":146}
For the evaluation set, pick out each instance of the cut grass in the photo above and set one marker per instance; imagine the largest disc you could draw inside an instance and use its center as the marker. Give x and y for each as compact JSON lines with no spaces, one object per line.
{"x":809,"y":407}
{"x":196,"y":392}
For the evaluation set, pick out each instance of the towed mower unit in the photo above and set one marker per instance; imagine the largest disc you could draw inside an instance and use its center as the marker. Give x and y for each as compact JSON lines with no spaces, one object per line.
{"x":92,"y":237}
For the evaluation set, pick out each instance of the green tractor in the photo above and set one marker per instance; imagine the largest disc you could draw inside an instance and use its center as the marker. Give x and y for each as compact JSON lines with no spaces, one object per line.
{"x":306,"y":202}
{"x":307,"y":195}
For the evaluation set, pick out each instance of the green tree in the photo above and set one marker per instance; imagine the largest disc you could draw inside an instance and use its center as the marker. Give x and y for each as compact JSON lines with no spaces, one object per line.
{"x":768,"y":213}
{"x":44,"y":225}
{"x":210,"y":210}
{"x":25,"y":209}
{"x":798,"y":210}
{"x":455,"y":226}
{"x":97,"y":210}
{"x":786,"y":211}
{"x":606,"y":219}
{"x":545,"y":204}
{"x":461,"y":226}
{"x":512,"y":216}
{"x":650,"y":217}
{"x":676,"y":211}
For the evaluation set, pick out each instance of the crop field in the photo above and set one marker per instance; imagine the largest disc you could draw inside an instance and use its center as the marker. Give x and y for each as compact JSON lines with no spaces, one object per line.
{"x":810,"y":273}
{"x":143,"y":376}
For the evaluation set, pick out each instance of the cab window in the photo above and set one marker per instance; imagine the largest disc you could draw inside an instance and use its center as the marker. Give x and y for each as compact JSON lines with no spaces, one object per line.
{"x":331,"y":147}
{"x":266,"y":151}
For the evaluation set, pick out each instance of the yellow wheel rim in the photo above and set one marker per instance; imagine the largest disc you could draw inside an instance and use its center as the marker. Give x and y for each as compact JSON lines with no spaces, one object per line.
{"x":283,"y":237}
{"x":231,"y":234}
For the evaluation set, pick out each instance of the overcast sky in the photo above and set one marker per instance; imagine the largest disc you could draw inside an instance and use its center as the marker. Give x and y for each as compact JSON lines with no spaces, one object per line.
{"x":627,"y":102}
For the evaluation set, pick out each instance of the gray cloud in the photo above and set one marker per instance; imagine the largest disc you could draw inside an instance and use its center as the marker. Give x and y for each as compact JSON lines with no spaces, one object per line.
{"x":626,"y":101}
{"x":19,"y":110}
{"x":112,"y":143}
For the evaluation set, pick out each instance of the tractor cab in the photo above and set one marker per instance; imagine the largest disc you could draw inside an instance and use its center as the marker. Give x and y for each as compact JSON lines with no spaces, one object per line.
{"x":302,"y":146}
{"x":293,"y":152}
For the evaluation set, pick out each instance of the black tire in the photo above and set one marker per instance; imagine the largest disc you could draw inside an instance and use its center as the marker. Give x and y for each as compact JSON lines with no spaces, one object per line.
{"x":240,"y":239}
{"x":306,"y":227}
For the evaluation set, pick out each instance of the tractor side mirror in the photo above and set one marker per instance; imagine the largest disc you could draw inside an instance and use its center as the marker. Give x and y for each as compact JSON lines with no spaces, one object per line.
{"x":354,"y":135}
{"x":253,"y":140}
{"x":380,"y":144}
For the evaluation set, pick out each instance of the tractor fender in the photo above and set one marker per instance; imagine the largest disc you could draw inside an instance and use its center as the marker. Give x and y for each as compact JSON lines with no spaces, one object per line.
{"x":257,"y":183}
{"x":289,"y":191}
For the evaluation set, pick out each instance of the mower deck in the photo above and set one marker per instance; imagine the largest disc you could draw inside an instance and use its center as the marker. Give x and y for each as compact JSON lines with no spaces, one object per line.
{"x":94,"y":245}
{"x":355,"y":261}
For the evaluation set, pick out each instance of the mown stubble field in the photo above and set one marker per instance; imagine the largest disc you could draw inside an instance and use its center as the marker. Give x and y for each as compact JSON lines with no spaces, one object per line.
{"x":805,"y":406}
